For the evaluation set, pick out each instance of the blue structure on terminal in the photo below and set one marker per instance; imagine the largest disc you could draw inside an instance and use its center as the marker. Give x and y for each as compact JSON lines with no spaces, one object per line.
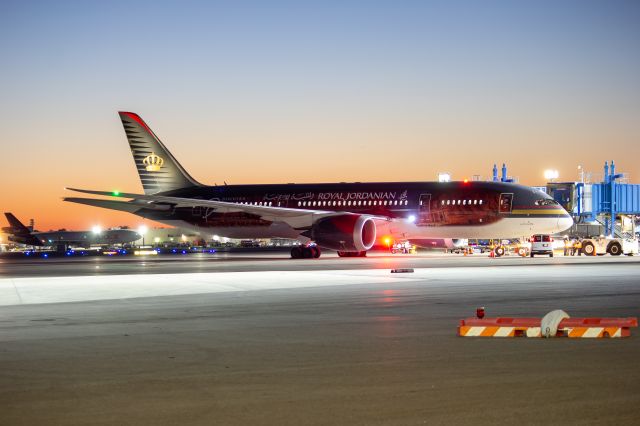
{"x":610,"y":198}
{"x":504,"y":177}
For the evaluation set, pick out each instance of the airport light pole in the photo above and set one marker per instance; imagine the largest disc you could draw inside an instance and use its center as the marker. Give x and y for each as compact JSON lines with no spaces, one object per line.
{"x":142,"y":229}
{"x":550,"y":175}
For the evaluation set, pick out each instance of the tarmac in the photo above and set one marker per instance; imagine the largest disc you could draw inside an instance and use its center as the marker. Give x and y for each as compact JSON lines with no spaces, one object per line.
{"x":268,"y":340}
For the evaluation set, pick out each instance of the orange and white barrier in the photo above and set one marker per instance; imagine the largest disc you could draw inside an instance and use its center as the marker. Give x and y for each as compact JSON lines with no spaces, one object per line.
{"x":554,"y":324}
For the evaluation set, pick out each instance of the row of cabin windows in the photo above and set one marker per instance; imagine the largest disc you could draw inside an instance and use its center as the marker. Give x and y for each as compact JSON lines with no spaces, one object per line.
{"x":461,"y":202}
{"x":257,"y":203}
{"x":334,"y":203}
{"x":340,"y":203}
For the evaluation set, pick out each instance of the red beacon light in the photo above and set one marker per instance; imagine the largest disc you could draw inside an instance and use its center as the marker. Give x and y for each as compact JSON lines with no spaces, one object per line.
{"x":465,"y":181}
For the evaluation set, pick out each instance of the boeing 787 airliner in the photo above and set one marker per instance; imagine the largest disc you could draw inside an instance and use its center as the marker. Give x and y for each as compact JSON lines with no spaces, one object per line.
{"x":347,"y":217}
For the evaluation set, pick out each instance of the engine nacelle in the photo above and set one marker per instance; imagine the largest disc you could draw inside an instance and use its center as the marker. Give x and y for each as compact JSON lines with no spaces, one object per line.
{"x":346,"y":232}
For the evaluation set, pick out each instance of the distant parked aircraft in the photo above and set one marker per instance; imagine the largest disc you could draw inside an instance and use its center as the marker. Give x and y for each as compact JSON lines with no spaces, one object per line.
{"x":19,"y":233}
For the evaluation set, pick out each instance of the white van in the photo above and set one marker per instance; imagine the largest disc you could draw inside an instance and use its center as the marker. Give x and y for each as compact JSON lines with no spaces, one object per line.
{"x":541,"y":244}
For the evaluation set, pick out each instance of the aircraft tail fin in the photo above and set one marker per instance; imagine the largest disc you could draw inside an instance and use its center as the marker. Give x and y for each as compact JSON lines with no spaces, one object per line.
{"x":18,"y":232}
{"x":17,"y":228}
{"x":159,"y":171}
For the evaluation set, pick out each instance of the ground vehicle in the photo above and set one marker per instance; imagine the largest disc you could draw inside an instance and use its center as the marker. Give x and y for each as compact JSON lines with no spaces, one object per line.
{"x":614,"y":246}
{"x":404,"y":247}
{"x":249,"y":243}
{"x":541,"y":244}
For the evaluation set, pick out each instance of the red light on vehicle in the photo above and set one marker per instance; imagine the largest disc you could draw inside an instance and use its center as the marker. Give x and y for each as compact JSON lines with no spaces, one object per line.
{"x":466,"y":181}
{"x":387,"y":241}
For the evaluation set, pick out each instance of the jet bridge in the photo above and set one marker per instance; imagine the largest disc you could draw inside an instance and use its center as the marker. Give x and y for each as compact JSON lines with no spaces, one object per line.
{"x":612,"y":203}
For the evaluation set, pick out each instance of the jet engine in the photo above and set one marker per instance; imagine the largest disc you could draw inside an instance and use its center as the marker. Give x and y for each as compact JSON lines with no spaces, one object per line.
{"x":345,"y":232}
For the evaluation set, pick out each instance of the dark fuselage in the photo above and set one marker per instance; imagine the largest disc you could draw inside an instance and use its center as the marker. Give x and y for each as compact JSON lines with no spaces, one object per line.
{"x":429,"y":209}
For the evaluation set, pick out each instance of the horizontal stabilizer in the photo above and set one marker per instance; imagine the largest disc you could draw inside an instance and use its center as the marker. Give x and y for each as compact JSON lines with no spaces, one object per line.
{"x":124,"y":206}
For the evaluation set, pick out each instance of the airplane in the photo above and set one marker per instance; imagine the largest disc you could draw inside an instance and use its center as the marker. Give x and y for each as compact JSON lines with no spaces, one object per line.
{"x":21,"y":234}
{"x":347,"y":217}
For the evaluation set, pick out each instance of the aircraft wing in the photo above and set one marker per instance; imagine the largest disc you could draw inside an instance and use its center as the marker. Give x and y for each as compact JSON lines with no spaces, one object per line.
{"x":297,"y":218}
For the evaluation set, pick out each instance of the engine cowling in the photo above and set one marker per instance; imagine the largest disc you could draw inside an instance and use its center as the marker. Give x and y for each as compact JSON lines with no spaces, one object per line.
{"x":346,"y":232}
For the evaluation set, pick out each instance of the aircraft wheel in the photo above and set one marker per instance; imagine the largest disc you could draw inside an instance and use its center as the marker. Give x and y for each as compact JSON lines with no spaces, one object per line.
{"x":307,"y":252}
{"x":499,"y":251}
{"x":551,"y":254}
{"x":296,"y":253}
{"x":316,"y":252}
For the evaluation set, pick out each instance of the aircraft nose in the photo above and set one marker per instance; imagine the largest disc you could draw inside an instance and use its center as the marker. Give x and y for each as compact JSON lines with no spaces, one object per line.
{"x":565,"y":222}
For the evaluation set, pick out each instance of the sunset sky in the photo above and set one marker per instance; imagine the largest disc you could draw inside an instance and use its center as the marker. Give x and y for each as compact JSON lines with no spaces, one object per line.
{"x":276,"y":92}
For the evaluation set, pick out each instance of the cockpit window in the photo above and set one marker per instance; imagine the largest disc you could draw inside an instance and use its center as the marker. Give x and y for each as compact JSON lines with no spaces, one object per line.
{"x":546,"y":202}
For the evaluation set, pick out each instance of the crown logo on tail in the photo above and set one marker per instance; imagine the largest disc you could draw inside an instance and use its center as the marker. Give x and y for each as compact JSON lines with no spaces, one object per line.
{"x":153,"y":162}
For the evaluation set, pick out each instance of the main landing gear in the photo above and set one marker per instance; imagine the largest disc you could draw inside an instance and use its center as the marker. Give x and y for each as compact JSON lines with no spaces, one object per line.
{"x":313,"y":252}
{"x":305,"y":252}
